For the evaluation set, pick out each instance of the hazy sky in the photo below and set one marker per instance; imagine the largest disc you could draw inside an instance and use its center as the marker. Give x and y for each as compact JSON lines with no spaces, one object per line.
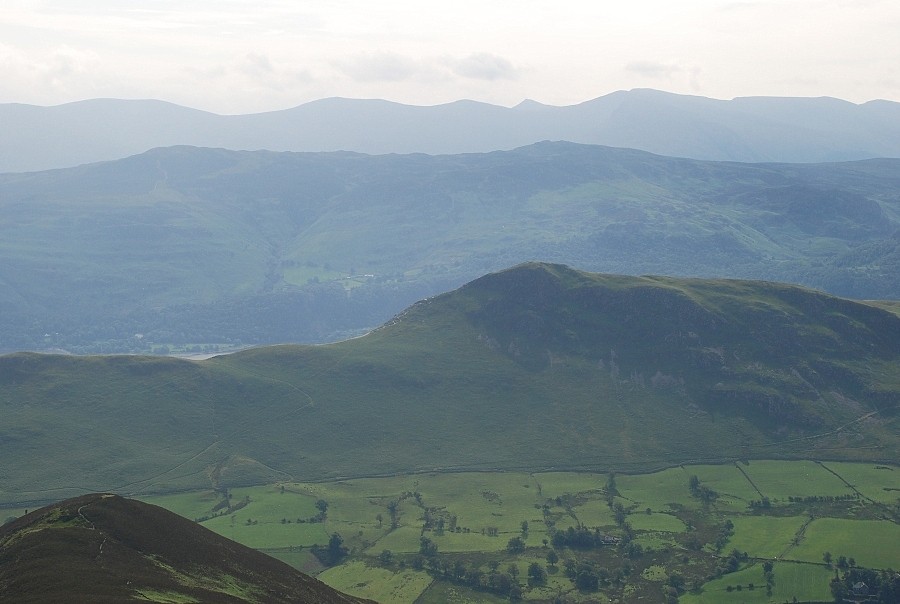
{"x":232,"y":56}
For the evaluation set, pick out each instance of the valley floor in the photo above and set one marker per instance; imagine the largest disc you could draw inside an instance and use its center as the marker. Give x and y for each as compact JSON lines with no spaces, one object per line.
{"x":757,"y":531}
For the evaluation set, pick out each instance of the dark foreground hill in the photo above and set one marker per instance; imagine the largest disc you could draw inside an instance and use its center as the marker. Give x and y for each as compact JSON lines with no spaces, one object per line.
{"x":744,"y":129}
{"x":185,"y":247}
{"x":539,"y":366}
{"x":104,"y":549}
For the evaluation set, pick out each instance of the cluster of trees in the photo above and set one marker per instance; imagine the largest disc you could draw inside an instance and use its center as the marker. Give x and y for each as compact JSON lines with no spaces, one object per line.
{"x":587,"y":577}
{"x":333,"y":553}
{"x":515,"y":546}
{"x":769,"y":574}
{"x":732,"y":562}
{"x":875,"y":586}
{"x":701,"y":491}
{"x":582,"y":538}
{"x":760,"y":504}
{"x":674,"y":587}
{"x":433,"y":520}
{"x":842,"y":562}
{"x":504,"y":584}
{"x":823,"y":498}
{"x":726,"y":531}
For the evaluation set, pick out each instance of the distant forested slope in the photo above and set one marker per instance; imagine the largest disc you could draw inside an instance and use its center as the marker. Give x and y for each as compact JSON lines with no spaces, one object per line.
{"x":193,"y":246}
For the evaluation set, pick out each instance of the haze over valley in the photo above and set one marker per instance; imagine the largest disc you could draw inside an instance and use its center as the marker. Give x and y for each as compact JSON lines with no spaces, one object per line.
{"x":430,"y":304}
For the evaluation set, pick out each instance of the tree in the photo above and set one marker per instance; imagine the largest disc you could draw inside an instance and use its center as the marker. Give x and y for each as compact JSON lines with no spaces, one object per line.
{"x":586,"y":579}
{"x":386,"y":557}
{"x":676,"y":580}
{"x":827,"y":558}
{"x":322,"y":506}
{"x":694,"y":483}
{"x":536,"y":574}
{"x":513,"y":570}
{"x":427,"y":547}
{"x":619,"y":512}
{"x":524,"y":527}
{"x":394,"y":511}
{"x":336,"y":549}
{"x":552,"y":557}
{"x":502,"y":582}
{"x":459,"y":570}
{"x":333,"y":553}
{"x":515,"y":545}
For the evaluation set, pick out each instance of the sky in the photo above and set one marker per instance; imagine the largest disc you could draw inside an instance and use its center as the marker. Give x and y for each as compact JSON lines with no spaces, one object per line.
{"x":231,"y":56}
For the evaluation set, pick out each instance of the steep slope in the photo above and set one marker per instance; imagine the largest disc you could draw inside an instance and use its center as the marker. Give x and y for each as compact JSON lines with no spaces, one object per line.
{"x":539,"y":366}
{"x":186,"y":245}
{"x":744,"y":129}
{"x":103,"y":548}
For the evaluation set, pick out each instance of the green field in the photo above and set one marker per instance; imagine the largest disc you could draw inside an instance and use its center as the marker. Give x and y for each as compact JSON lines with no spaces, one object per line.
{"x":765,"y":536}
{"x":359,"y":511}
{"x":381,"y":585}
{"x":779,"y":480}
{"x":874,"y":544}
{"x":806,"y":582}
{"x":875,"y":481}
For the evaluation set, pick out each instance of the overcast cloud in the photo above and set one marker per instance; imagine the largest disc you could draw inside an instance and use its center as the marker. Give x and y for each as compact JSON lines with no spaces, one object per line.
{"x":234,"y":56}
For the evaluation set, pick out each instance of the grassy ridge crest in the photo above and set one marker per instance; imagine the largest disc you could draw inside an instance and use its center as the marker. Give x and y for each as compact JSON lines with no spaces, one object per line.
{"x":536,"y":367}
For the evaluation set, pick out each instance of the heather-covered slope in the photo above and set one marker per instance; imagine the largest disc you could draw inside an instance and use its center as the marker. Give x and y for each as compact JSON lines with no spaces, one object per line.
{"x":103,"y":548}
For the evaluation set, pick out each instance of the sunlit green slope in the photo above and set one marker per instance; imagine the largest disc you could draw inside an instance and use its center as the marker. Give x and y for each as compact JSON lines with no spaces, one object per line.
{"x":539,"y":366}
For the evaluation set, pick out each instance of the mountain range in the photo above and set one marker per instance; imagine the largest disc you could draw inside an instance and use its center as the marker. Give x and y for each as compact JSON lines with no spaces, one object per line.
{"x":532,"y":368}
{"x":752,"y":129}
{"x":192,"y":246}
{"x":101,"y":548}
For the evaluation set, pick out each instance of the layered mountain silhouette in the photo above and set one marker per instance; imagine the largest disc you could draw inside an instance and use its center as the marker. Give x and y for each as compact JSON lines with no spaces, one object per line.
{"x":102,"y":548}
{"x":752,"y":129}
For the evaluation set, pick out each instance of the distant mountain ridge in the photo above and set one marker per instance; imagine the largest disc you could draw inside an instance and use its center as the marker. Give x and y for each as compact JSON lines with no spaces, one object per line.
{"x":751,"y":129}
{"x":102,"y":548}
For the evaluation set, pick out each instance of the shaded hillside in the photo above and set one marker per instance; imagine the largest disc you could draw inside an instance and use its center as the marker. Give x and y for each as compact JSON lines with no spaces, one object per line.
{"x":744,"y":129}
{"x":103,"y":548}
{"x":539,"y":366}
{"x":186,"y":246}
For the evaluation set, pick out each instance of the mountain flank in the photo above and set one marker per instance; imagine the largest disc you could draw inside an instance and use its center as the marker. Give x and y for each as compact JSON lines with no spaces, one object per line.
{"x":103,"y":548}
{"x":536,"y":367}
{"x":751,"y":129}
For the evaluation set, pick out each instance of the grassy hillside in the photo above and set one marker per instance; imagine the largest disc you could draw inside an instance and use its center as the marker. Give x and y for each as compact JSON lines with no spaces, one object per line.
{"x":536,"y":367}
{"x":103,"y":548}
{"x":198,"y":247}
